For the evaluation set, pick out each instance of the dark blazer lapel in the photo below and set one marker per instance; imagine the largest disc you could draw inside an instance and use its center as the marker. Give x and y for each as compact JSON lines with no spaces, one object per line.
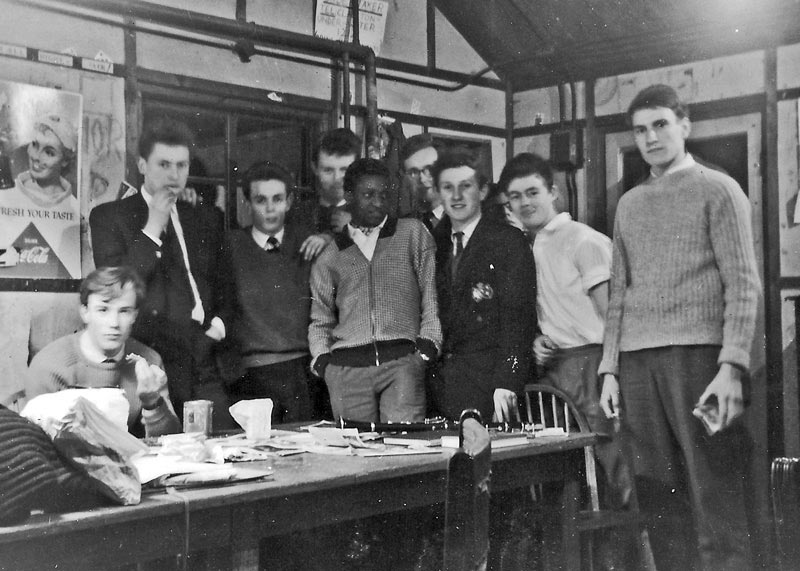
{"x":135,"y":212}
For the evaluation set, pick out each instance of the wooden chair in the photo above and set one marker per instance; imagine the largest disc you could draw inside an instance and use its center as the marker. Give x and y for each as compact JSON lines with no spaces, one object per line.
{"x":785,"y":491}
{"x":466,"y":531}
{"x":552,"y":408}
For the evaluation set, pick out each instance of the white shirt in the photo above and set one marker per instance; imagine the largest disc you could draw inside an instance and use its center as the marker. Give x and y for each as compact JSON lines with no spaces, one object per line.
{"x":366,"y":243}
{"x":468,"y":230}
{"x":93,"y":354}
{"x":261,"y":238}
{"x":571,"y":259}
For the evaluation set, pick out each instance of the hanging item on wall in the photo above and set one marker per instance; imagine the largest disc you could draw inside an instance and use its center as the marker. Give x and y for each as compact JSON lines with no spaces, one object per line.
{"x":333,"y":20}
{"x":40,"y":132}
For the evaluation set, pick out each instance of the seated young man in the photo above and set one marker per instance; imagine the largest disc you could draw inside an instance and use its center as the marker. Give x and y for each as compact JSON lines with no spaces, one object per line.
{"x":268,"y":296}
{"x":104,"y":355}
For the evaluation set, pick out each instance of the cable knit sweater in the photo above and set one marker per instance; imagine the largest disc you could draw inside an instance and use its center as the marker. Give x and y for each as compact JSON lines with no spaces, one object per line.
{"x":684,"y":269}
{"x":62,"y":365}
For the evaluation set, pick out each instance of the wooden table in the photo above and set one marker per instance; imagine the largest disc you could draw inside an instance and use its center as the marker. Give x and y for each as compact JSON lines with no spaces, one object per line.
{"x":307,"y":490}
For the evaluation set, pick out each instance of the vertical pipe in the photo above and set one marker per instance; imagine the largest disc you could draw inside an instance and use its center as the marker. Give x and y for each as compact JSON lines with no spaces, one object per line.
{"x":371,"y":127}
{"x":133,"y":105}
{"x":430,"y":34}
{"x":509,"y":121}
{"x":346,"y":88}
{"x":595,"y":191}
{"x":336,"y":97}
{"x":781,"y":432}
{"x":356,"y":17}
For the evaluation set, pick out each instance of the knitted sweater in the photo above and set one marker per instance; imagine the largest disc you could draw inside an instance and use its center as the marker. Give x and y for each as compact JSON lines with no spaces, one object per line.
{"x":355,"y":302}
{"x":62,"y":365}
{"x":33,"y":475}
{"x":269,"y":297}
{"x":684,"y":269}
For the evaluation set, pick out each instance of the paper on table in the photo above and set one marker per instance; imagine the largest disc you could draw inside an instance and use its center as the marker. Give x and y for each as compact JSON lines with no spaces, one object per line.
{"x":339,"y":437}
{"x":152,"y":466}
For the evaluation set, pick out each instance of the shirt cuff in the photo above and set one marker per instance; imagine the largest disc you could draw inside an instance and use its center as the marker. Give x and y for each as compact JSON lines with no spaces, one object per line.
{"x":219,"y":326}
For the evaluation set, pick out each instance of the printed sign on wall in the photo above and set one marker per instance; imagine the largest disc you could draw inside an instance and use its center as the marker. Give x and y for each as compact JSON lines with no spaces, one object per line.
{"x":40,"y":143}
{"x":333,"y":21}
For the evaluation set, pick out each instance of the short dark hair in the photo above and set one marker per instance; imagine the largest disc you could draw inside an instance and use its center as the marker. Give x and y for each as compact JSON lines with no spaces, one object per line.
{"x":414,"y":145}
{"x":166,"y":131}
{"x":266,"y":170}
{"x":109,"y":281}
{"x":361,"y":168}
{"x":525,"y":164}
{"x":658,"y":95}
{"x":339,"y":142}
{"x":455,"y":158}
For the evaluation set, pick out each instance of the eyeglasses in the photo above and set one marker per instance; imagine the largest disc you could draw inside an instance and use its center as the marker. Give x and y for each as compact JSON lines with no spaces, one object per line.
{"x":417,"y":173}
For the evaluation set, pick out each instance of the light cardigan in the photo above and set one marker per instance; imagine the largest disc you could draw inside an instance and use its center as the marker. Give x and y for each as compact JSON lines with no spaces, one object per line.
{"x":684,"y":269}
{"x":355,"y":301}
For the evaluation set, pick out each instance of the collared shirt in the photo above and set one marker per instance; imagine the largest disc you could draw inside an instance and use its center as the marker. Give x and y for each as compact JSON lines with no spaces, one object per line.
{"x":685,"y":163}
{"x":366,"y":243}
{"x":95,"y":355}
{"x":438,"y":212}
{"x":261,"y":238}
{"x":571,"y":258}
{"x":468,"y":231}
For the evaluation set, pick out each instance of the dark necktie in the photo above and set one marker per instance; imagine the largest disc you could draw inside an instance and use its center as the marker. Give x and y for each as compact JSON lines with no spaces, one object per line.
{"x":457,"y":239}
{"x":272,"y":244}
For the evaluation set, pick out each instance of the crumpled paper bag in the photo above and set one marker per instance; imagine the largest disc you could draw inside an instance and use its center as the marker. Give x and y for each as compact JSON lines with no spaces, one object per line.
{"x":255,"y":416}
{"x":91,"y":441}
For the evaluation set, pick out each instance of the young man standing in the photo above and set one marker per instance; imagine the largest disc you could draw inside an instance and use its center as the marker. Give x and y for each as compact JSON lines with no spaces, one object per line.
{"x":266,"y":281}
{"x":175,"y":248}
{"x":327,"y":214}
{"x":374,"y":322}
{"x":417,"y":156}
{"x":679,"y":329}
{"x":486,"y":284}
{"x":104,"y":354}
{"x":573,"y":266}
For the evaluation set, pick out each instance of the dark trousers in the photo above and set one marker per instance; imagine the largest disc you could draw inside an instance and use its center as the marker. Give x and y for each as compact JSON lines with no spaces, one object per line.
{"x":286,"y":383}
{"x":192,"y":374}
{"x":694,"y":484}
{"x":463,"y":381}
{"x":574,"y":371}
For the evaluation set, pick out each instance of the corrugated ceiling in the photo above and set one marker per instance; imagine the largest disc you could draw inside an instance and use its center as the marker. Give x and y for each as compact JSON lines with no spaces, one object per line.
{"x":536,"y":43}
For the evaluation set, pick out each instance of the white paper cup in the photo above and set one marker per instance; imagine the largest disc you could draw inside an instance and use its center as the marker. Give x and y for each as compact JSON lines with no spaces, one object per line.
{"x":255,"y":416}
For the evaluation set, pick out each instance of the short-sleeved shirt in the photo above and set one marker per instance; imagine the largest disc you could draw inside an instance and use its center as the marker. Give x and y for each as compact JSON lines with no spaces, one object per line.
{"x":571,"y":259}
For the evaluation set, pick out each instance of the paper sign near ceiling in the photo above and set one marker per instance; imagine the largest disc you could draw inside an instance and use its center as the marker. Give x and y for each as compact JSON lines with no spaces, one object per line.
{"x":333,"y":21}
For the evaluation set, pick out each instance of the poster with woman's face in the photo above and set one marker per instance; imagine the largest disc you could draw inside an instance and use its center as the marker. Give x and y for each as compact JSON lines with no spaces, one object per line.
{"x":40,"y":142}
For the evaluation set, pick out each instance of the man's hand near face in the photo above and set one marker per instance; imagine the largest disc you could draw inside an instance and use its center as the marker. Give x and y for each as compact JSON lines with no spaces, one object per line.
{"x":158,"y":213}
{"x":339,"y":217}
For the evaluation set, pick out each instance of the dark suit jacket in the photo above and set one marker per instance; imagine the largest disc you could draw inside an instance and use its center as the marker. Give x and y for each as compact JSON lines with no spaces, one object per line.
{"x":488,"y":312}
{"x":117,"y":239}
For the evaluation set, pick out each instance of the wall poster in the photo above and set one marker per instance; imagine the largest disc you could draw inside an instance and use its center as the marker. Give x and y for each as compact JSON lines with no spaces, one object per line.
{"x":40,"y":143}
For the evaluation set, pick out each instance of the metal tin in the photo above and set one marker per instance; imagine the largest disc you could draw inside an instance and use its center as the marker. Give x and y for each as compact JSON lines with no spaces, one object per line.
{"x":198,"y":416}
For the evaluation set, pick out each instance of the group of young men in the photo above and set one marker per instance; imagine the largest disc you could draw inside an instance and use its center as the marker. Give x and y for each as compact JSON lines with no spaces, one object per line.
{"x":437,"y":311}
